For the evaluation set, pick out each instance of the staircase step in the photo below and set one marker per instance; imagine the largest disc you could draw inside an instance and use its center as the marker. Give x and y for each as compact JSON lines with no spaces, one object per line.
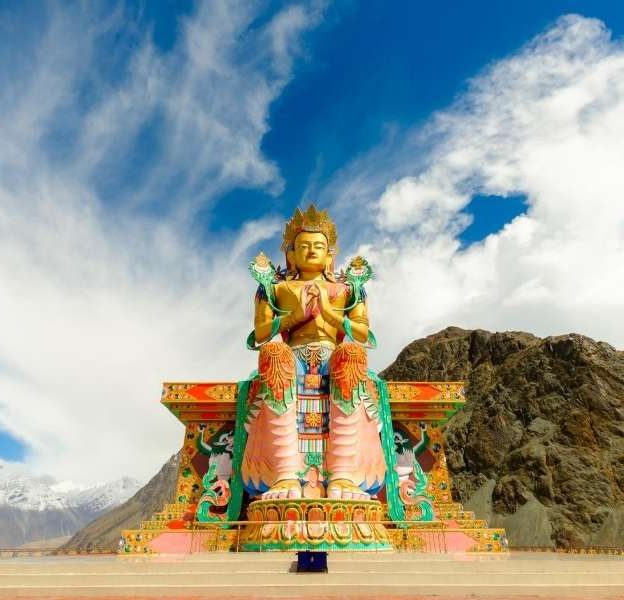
{"x":259,"y":577}
{"x":270,"y":574}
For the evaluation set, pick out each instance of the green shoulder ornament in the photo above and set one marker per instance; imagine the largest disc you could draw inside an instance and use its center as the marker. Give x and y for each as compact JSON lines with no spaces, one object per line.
{"x":265,"y":273}
{"x":357,"y":274}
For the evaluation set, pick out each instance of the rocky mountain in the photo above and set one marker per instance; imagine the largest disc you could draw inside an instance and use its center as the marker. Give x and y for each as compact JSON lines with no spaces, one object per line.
{"x":104,"y":532}
{"x":539,"y":447}
{"x":101,"y":498}
{"x":36,"y":508}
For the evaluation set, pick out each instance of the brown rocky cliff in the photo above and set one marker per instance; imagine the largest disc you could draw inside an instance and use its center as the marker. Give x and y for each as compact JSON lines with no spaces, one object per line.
{"x":104,"y":532}
{"x":539,"y":447}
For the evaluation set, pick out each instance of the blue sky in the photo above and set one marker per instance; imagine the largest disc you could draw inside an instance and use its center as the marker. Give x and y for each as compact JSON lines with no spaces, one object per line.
{"x":372,"y":68}
{"x":150,"y":149}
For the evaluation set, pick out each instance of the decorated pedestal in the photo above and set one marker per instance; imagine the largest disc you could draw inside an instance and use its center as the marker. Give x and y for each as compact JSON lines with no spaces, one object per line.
{"x":314,"y":450}
{"x":321,"y":524}
{"x":210,"y":512}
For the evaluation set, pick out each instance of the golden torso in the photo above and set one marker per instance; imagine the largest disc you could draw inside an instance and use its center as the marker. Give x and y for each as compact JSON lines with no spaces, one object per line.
{"x":311,"y":303}
{"x":288,"y":296}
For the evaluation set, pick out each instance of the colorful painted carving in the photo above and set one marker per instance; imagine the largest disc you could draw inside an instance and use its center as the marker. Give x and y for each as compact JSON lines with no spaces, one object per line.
{"x":314,"y":420}
{"x":321,"y":524}
{"x":314,"y":450}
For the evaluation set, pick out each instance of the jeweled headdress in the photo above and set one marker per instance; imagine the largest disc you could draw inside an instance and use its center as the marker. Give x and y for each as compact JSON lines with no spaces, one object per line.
{"x":311,"y":220}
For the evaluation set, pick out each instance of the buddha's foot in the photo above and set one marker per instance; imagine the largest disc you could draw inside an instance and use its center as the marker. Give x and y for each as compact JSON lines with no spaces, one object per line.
{"x":345,"y":490}
{"x":286,"y":488}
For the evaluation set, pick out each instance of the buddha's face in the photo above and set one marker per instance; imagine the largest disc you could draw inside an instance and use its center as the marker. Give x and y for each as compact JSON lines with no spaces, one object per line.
{"x":311,"y":252}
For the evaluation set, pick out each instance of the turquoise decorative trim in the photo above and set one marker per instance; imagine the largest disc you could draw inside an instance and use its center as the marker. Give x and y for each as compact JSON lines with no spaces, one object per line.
{"x":313,"y":459}
{"x":251,"y":341}
{"x":251,"y":338}
{"x":279,"y":407}
{"x":265,"y":275}
{"x":396,"y":509}
{"x":202,"y":446}
{"x":371,"y":342}
{"x":359,"y":394}
{"x":425,"y":505}
{"x":346,"y":324}
{"x":203,"y":508}
{"x":357,"y":274}
{"x":275,"y":326}
{"x":422,"y":444}
{"x":240,"y":441}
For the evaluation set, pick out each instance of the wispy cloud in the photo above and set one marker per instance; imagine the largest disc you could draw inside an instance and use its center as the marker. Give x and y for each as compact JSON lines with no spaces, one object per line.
{"x":547,"y":123}
{"x":108,"y":148}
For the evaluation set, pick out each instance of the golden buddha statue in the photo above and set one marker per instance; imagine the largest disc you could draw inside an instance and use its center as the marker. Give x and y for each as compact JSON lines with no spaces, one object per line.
{"x":313,"y":425}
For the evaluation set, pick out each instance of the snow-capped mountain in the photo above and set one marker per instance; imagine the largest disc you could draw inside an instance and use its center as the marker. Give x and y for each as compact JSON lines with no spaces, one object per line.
{"x":37,"y":508}
{"x":29,"y":494}
{"x":104,"y":496}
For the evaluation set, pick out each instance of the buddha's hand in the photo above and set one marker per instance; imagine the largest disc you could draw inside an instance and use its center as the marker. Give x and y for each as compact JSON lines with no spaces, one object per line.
{"x":324,"y":305}
{"x":303,"y":310}
{"x":310,"y":298}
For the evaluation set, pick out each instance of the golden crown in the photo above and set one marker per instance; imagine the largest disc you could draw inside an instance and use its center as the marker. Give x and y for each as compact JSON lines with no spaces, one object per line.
{"x":311,"y":220}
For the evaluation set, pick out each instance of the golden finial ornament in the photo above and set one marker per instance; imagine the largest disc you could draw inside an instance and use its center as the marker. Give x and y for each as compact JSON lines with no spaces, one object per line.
{"x":262,"y":262}
{"x":313,"y":220}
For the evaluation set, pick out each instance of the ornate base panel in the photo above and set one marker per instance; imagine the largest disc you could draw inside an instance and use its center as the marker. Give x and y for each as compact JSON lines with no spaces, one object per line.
{"x":440,"y":538}
{"x":166,"y":541}
{"x":208,"y":411}
{"x":322,"y":524}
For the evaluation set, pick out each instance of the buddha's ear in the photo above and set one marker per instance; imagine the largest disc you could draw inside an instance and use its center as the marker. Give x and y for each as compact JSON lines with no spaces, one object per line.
{"x":291,"y":267}
{"x":331,"y":257}
{"x":329,"y":263}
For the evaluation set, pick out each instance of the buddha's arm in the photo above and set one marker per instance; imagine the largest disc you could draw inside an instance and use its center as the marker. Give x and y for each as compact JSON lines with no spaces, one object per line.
{"x":263,"y":320}
{"x":264,"y":317}
{"x":358,"y":316}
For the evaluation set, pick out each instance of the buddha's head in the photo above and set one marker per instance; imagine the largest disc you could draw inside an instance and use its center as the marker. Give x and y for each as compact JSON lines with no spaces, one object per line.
{"x":310,"y":243}
{"x":310,"y":252}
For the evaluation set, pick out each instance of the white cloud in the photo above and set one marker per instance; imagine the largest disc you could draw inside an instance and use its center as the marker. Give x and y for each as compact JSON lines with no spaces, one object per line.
{"x":546,"y":122}
{"x":100,"y":300}
{"x":427,"y":203}
{"x":105,"y":288}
